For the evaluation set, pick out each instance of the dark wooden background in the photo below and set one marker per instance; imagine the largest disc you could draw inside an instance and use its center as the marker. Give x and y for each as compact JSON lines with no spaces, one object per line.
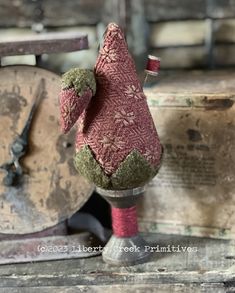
{"x":184,"y":33}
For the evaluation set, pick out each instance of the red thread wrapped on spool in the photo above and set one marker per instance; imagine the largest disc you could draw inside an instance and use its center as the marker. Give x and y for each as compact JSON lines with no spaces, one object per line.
{"x":120,"y":219}
{"x":153,"y":65}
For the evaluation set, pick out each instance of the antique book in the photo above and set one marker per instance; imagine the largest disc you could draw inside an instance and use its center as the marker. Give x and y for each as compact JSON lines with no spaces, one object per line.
{"x":194,"y":191}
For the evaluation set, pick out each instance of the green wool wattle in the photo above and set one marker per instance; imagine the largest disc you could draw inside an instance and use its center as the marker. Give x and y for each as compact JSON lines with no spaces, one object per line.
{"x":133,"y":172}
{"x":88,"y":167}
{"x":80,"y":80}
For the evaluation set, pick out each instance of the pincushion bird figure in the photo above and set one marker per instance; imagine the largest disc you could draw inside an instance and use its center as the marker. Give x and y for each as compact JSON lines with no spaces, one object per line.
{"x":117,"y":145}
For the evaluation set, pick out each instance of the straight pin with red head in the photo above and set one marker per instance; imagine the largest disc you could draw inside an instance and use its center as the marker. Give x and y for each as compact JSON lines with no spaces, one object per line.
{"x":152,"y":70}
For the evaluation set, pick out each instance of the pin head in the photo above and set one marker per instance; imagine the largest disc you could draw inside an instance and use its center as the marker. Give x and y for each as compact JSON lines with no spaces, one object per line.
{"x":153,"y":65}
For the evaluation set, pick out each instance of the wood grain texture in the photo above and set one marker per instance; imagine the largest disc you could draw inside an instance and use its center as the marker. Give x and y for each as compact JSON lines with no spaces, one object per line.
{"x":162,"y":10}
{"x":140,"y":288}
{"x":23,"y":13}
{"x":211,"y":267}
{"x":177,"y":33}
{"x":43,"y":43}
{"x":72,"y":13}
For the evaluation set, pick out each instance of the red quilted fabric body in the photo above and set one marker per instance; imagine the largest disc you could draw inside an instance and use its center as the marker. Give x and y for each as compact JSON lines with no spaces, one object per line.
{"x":117,"y":120}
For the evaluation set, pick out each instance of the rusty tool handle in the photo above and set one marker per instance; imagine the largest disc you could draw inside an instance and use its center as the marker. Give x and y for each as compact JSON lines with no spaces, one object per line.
{"x":37,"y":98}
{"x":19,"y":146}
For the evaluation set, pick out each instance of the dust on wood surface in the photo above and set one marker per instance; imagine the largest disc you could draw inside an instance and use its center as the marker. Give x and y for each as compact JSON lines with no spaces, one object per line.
{"x":210,"y":266}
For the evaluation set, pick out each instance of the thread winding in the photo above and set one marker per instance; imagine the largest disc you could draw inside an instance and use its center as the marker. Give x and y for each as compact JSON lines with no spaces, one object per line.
{"x":124,"y":221}
{"x":153,"y":65}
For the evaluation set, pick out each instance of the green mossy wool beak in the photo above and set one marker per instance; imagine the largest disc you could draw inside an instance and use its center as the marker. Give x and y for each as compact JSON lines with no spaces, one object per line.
{"x":133,"y":172}
{"x":80,"y":80}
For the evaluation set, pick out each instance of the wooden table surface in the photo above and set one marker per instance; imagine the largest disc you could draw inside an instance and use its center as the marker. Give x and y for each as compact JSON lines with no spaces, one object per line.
{"x":210,"y":269}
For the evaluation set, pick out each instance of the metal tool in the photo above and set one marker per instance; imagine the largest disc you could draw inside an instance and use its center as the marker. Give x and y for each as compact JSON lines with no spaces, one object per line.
{"x":19,"y":147}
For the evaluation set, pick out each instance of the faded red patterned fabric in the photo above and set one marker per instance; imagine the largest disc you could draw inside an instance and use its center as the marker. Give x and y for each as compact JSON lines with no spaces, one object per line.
{"x":117,"y":120}
{"x":71,"y":107}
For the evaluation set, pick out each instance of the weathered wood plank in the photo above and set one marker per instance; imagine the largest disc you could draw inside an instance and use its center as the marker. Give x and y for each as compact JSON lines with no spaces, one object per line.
{"x":23,"y":13}
{"x":162,"y":10}
{"x":16,"y":13}
{"x":158,"y":10}
{"x":110,"y":279}
{"x":178,"y":33}
{"x":140,"y":288}
{"x":57,"y":13}
{"x":43,"y":43}
{"x":213,"y":262}
{"x":61,"y":62}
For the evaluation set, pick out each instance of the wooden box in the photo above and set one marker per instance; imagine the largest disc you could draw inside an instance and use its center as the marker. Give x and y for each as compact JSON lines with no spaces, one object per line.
{"x":194,"y":191}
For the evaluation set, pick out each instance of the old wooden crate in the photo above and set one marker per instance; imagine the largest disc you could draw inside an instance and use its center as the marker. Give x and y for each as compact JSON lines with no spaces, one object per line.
{"x":194,"y":192}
